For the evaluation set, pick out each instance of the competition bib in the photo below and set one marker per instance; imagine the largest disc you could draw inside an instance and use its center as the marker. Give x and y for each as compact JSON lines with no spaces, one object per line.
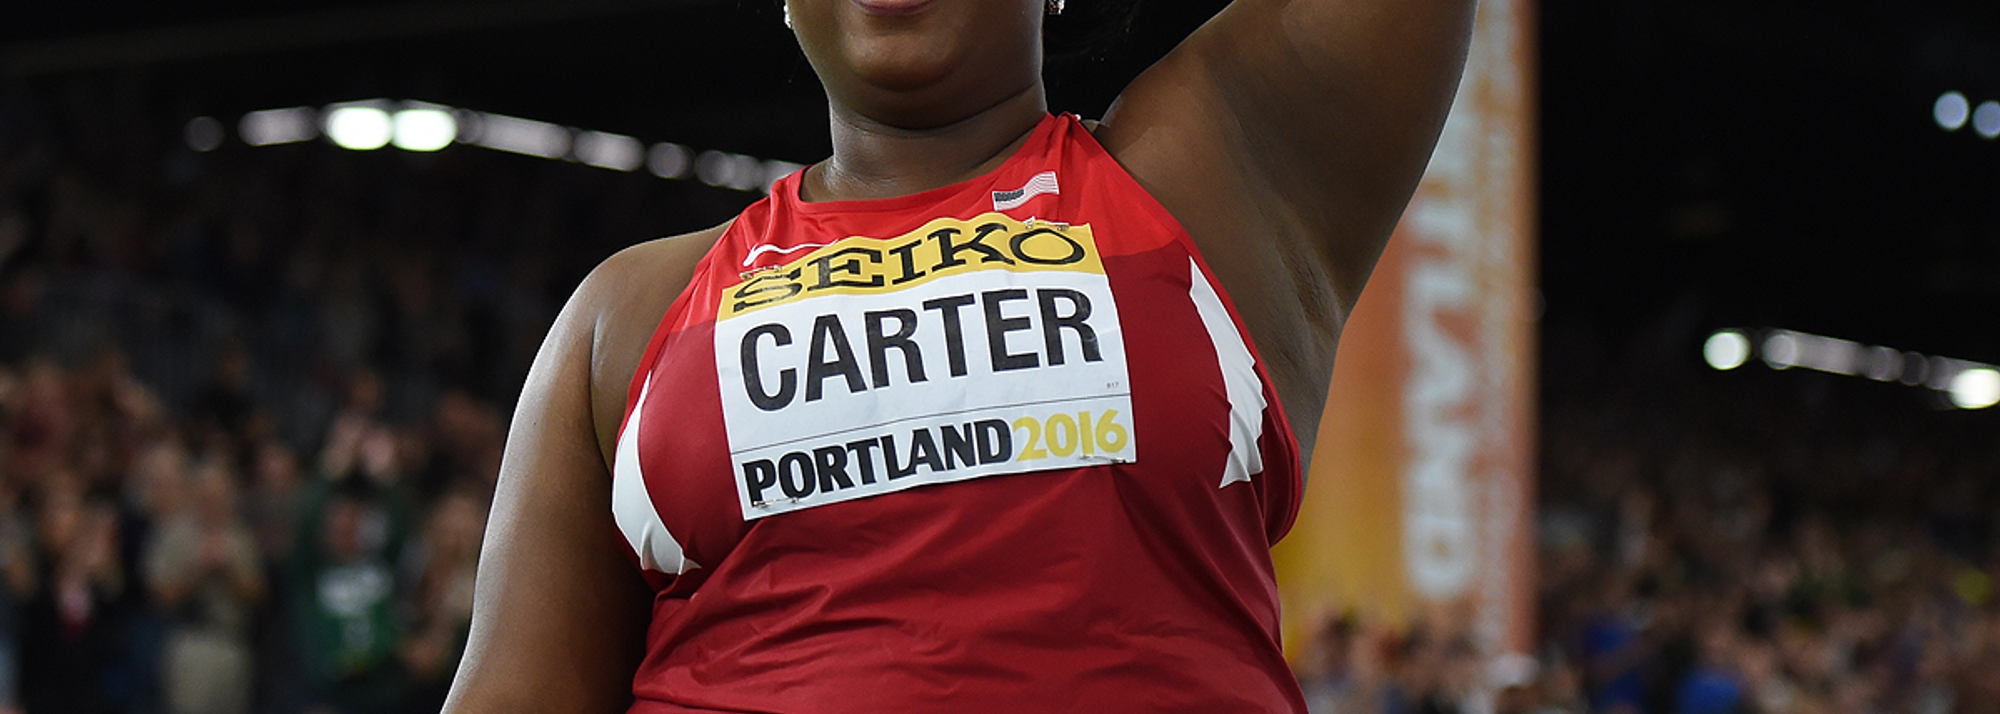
{"x":964,"y":349}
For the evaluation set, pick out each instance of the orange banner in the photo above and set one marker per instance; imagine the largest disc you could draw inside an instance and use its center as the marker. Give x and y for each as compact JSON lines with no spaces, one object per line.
{"x":1419,"y":503}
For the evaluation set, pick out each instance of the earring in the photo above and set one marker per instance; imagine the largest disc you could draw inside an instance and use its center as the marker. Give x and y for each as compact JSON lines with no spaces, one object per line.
{"x":1055,"y":7}
{"x":788,"y":15}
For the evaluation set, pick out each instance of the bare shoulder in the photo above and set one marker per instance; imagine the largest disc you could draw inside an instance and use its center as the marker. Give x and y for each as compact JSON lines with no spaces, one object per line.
{"x":1286,"y":136}
{"x":628,"y":294}
{"x":560,"y":619}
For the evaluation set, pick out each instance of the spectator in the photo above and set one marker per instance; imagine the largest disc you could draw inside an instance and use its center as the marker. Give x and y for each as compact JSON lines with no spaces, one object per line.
{"x":1713,"y":685}
{"x":75,"y":654}
{"x":17,"y":583}
{"x":204,"y":570}
{"x":343,"y":593}
{"x":444,"y":563}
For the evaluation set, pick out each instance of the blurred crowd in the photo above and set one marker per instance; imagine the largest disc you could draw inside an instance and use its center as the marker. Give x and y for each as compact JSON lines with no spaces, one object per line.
{"x":162,"y":563}
{"x":252,"y":403}
{"x":1724,"y":542}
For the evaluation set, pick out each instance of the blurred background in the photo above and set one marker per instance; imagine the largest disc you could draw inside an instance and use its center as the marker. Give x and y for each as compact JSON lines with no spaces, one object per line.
{"x":270,"y":279}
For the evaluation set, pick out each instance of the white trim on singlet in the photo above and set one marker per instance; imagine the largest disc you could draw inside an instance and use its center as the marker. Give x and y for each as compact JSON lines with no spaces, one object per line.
{"x":759,"y":250}
{"x":1239,"y":380}
{"x":632,"y":507}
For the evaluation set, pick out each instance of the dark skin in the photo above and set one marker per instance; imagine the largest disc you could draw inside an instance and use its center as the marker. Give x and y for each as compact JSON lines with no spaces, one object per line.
{"x":1285,"y":135}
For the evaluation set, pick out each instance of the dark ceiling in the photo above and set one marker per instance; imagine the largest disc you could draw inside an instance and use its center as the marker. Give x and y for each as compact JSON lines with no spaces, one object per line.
{"x":1704,"y":162}
{"x":1774,"y":163}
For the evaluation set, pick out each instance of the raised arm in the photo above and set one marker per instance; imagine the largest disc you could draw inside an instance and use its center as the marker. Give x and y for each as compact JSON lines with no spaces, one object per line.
{"x":560,"y":614}
{"x":1287,"y":136}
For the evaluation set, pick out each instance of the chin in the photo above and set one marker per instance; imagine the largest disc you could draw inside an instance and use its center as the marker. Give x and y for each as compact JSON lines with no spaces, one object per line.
{"x":903,"y":56}
{"x":947,"y":51}
{"x":900,"y":62}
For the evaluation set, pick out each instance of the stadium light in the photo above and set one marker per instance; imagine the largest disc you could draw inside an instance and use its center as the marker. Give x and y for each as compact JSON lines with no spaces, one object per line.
{"x":422,"y":126}
{"x":424,"y":129}
{"x":1726,"y":350}
{"x":523,"y":136}
{"x":1976,"y":388}
{"x":669,"y":160}
{"x":279,"y":126}
{"x":1968,"y":384}
{"x":1951,"y":111}
{"x":1916,"y":369}
{"x":609,"y":151}
{"x":203,"y":134}
{"x":723,"y":169}
{"x":359,"y":128}
{"x":1781,"y":351}
{"x":1884,"y":364}
{"x":1986,"y":119}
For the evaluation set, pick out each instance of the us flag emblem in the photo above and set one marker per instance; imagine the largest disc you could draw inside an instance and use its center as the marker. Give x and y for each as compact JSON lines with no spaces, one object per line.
{"x":1044,"y":182}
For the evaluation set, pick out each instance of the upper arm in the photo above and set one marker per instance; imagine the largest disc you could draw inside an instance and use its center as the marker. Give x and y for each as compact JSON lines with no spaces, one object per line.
{"x":1286,"y":136}
{"x":1318,"y":114}
{"x":560,"y":614}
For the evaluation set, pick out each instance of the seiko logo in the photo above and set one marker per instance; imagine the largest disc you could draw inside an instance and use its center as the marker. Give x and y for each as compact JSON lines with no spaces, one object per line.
{"x":945,"y":247}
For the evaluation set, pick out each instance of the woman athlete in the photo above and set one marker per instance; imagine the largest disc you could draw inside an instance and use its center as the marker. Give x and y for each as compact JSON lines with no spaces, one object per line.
{"x":960,"y":418}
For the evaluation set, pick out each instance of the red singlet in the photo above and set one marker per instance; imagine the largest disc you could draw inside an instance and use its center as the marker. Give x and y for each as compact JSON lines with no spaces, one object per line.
{"x":996,"y":447}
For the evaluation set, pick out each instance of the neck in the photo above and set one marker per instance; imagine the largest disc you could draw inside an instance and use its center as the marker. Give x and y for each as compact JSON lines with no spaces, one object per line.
{"x":873,"y":160}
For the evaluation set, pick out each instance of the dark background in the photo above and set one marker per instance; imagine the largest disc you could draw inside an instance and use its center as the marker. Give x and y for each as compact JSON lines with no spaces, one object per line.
{"x":1712,"y":163}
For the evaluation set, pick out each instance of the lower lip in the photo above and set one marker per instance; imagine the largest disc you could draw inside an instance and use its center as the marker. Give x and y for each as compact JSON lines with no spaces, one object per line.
{"x":892,"y":7}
